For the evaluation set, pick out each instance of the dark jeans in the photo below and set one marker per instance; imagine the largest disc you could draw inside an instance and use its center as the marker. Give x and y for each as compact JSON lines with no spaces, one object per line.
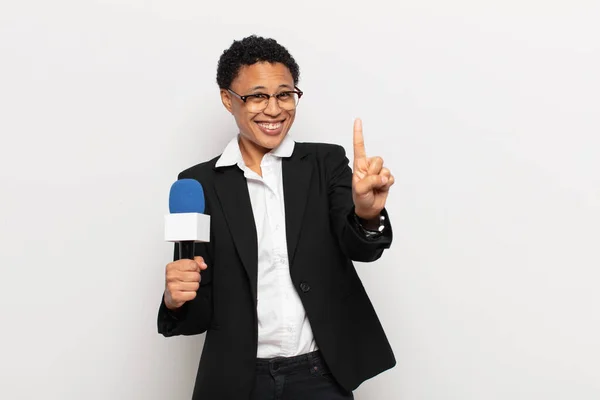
{"x":304,"y":377}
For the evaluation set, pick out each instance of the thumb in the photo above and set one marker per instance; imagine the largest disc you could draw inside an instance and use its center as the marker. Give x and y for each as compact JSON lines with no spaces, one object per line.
{"x":369,"y":183}
{"x":201,"y":264}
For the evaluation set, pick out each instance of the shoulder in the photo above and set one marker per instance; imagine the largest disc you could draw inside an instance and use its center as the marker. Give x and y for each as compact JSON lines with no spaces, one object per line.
{"x":202,"y":170}
{"x":328,"y":158}
{"x":321,"y":150}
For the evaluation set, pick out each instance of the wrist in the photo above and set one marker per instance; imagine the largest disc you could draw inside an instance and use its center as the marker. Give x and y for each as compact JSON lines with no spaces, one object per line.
{"x":368,"y":216}
{"x":371,"y":224}
{"x":172,"y":306}
{"x":371,"y":228}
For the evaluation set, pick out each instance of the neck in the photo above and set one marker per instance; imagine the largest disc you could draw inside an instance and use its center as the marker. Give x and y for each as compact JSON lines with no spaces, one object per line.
{"x":252,"y":153}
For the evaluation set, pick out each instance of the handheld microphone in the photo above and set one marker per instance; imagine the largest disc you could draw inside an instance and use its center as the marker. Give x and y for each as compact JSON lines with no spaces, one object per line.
{"x":187,"y":224}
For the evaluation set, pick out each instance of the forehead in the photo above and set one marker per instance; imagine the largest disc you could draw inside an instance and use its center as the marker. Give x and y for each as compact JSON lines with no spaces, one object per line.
{"x":264,"y":74}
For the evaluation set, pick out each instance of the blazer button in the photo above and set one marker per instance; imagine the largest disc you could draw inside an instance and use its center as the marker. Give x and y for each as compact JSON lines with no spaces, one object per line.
{"x":305,"y":287}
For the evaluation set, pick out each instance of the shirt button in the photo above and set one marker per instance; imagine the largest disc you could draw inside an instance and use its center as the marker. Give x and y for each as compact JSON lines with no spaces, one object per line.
{"x":305,"y":287}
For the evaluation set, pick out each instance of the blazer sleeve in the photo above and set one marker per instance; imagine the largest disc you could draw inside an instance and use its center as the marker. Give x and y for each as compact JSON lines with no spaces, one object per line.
{"x":195,"y":316}
{"x":353,"y":242}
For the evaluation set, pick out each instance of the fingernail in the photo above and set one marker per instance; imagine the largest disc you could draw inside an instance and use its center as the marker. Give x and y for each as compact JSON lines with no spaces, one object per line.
{"x":384,"y":179}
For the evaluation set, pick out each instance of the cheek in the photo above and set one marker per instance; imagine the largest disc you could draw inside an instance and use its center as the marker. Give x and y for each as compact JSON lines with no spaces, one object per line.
{"x":242,"y":118}
{"x":246,"y":125}
{"x":291,"y":117}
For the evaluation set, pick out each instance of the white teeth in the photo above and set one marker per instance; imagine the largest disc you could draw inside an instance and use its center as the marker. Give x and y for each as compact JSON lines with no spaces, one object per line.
{"x":270,"y":127}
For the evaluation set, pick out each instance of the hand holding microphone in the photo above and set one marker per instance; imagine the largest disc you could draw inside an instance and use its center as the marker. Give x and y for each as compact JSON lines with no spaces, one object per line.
{"x":182,"y":281}
{"x":186,"y":224}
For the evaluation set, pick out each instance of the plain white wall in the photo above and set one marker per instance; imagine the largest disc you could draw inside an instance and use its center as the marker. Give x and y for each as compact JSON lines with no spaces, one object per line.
{"x":486,"y":112}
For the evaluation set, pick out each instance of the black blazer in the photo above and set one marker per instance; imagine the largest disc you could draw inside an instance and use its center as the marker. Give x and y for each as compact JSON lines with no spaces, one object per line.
{"x":322,"y":240}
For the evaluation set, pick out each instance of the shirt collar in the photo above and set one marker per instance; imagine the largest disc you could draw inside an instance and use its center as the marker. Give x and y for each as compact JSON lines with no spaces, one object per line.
{"x":232,"y":154}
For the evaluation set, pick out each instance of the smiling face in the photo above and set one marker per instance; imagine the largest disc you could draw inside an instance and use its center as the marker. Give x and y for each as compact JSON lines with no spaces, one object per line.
{"x":263,"y":131}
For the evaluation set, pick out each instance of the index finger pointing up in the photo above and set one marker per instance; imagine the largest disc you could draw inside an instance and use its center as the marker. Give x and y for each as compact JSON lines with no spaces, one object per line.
{"x":359,"y":142}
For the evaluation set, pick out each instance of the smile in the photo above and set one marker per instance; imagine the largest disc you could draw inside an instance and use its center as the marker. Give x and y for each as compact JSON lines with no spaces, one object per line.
{"x":271,"y":128}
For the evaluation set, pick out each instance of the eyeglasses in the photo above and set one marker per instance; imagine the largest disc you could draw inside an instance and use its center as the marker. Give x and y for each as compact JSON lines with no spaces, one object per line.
{"x":256,"y":103}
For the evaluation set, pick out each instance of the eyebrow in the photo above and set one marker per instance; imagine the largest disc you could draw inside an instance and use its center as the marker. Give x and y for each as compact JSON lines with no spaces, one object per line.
{"x":264,"y":88}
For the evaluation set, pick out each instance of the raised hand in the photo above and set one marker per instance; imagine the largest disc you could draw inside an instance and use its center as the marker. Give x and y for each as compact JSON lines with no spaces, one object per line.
{"x":371,"y":182}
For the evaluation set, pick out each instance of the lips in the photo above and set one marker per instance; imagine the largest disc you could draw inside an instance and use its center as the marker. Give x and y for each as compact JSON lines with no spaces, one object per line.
{"x":270,"y":128}
{"x":270,"y":125}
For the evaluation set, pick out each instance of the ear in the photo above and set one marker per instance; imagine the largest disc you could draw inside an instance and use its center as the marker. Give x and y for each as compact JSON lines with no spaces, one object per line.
{"x":226,"y":99}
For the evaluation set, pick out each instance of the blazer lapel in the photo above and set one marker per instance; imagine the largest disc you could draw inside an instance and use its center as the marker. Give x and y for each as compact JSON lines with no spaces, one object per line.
{"x":297,"y":171}
{"x":232,"y":191}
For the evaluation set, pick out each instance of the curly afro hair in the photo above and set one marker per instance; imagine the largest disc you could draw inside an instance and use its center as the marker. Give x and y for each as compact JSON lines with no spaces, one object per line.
{"x":251,"y":50}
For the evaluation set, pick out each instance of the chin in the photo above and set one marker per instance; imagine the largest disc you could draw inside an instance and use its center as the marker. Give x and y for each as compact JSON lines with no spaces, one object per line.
{"x":270,"y":140}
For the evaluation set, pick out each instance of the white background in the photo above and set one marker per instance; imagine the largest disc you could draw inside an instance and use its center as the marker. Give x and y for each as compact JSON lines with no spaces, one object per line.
{"x":486,"y":112}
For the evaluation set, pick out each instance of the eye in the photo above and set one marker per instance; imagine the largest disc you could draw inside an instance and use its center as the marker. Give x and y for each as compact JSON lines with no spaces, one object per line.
{"x":258,"y":96}
{"x":283,"y":95}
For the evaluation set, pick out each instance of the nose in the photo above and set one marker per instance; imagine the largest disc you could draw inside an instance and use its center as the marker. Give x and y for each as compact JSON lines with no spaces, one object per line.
{"x":273,"y":108}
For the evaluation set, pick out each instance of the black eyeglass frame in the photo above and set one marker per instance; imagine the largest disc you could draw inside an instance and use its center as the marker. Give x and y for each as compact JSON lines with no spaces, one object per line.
{"x":261,"y":95}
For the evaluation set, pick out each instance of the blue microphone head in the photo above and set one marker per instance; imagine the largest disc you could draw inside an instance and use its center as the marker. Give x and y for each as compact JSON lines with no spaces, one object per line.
{"x":186,"y":196}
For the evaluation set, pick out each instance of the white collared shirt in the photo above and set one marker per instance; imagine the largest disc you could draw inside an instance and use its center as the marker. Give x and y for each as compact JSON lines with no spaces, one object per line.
{"x":283,"y":327}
